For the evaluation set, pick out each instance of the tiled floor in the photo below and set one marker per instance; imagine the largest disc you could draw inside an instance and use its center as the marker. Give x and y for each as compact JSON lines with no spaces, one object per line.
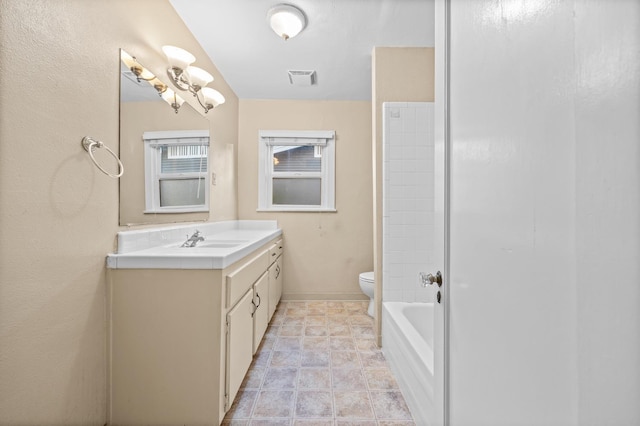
{"x":319,"y":365}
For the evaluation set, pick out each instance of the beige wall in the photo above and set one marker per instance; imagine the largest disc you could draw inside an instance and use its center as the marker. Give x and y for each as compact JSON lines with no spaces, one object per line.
{"x":59,"y":81}
{"x":400,"y":74}
{"x":324,"y":252}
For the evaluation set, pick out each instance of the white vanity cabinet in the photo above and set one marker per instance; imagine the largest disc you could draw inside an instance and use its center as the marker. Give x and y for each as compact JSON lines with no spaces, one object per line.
{"x":239,"y":348}
{"x":275,"y":276}
{"x":182,"y":340}
{"x":261,"y":309}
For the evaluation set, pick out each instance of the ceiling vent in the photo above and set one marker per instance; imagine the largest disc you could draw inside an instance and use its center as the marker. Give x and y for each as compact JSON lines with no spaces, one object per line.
{"x":302,"y":78}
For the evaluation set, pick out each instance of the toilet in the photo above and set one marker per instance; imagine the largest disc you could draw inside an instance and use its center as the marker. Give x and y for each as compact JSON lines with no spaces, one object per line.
{"x":366,"y":285}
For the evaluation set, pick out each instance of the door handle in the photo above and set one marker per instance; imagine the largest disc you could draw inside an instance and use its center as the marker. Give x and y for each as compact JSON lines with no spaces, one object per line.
{"x":430,"y":279}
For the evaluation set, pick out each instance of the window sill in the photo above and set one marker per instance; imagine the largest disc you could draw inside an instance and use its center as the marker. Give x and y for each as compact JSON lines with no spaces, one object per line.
{"x":298,"y":210}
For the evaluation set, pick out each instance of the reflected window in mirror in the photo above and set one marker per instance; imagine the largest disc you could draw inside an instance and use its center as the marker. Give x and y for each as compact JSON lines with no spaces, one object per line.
{"x":176,"y":171}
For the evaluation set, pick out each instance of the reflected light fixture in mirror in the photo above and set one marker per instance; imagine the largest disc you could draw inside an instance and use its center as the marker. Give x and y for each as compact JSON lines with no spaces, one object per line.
{"x":142,"y":73}
{"x":286,"y":20}
{"x":192,"y":79}
{"x":172,"y":99}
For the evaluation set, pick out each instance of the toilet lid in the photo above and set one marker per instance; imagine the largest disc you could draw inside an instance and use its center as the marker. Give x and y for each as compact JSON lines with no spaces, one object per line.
{"x":367,"y":276}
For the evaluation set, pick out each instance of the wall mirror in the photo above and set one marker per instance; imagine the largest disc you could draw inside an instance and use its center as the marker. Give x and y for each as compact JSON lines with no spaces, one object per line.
{"x":179,"y":144}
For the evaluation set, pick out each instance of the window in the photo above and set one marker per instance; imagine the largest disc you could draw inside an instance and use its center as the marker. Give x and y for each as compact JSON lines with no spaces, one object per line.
{"x":176,"y":171}
{"x":296,"y":171}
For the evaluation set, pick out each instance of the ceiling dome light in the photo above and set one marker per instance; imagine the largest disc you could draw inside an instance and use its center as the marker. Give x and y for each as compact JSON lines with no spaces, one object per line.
{"x":286,"y":20}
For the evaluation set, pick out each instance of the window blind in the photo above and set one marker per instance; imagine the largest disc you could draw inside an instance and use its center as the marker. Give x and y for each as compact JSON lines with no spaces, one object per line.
{"x":186,"y":151}
{"x":186,"y":164}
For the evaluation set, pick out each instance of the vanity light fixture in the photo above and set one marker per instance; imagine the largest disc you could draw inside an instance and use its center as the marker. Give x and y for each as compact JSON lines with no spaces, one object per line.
{"x":172,"y":99}
{"x":286,"y":20}
{"x":138,"y":70}
{"x":190,"y":78}
{"x":141,"y":73}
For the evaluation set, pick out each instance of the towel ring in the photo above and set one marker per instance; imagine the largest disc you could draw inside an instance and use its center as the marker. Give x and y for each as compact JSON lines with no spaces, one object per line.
{"x":90,"y":144}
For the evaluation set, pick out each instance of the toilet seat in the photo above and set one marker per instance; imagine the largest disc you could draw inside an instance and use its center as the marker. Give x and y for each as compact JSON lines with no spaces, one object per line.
{"x":367,"y":277}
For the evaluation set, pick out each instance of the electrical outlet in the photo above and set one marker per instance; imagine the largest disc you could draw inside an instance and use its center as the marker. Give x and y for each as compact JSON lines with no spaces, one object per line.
{"x":213,"y":178}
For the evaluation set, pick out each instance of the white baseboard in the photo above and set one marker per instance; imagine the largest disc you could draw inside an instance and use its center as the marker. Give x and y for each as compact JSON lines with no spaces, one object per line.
{"x":324,"y":296}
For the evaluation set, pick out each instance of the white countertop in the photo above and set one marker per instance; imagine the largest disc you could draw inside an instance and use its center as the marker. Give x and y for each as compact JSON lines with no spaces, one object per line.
{"x":160,"y":248}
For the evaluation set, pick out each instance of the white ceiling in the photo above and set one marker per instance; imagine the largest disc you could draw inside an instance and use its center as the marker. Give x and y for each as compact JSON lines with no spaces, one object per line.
{"x":337,"y":43}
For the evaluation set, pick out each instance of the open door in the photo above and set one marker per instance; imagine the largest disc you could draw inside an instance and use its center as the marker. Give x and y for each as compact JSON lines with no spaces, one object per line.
{"x":441,"y":211}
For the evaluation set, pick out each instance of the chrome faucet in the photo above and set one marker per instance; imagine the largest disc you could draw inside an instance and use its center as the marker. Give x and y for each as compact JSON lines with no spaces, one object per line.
{"x":193,"y":240}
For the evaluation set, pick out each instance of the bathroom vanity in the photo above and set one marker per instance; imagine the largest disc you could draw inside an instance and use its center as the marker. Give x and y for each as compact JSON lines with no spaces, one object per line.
{"x":186,"y":323}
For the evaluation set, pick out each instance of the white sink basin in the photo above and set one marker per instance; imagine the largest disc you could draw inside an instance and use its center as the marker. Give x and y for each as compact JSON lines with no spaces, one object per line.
{"x":219,"y":244}
{"x":224,"y":243}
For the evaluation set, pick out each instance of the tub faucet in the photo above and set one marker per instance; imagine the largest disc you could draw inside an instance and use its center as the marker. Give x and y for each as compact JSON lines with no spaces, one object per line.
{"x":193,"y":240}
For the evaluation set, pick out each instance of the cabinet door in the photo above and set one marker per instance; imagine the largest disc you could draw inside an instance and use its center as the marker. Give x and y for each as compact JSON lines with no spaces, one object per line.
{"x":239,"y":344}
{"x":261,"y":315}
{"x":275,"y":285}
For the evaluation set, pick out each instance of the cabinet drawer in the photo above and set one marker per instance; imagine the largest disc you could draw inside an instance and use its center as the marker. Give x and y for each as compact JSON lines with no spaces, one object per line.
{"x":275,"y":250}
{"x":241,"y":280}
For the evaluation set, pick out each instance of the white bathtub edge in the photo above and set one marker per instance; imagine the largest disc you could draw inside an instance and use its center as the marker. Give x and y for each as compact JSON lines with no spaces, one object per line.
{"x":401,"y":346}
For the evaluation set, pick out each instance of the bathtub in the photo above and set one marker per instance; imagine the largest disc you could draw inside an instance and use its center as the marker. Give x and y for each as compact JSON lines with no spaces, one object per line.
{"x":407,"y":344}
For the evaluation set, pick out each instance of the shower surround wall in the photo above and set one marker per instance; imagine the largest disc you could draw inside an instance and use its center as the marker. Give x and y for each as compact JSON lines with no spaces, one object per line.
{"x":408,"y":200}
